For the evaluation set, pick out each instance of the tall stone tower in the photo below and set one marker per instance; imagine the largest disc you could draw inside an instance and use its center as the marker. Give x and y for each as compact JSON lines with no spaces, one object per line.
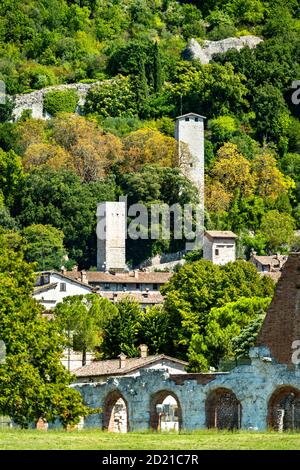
{"x":111,"y":236}
{"x":189,"y":132}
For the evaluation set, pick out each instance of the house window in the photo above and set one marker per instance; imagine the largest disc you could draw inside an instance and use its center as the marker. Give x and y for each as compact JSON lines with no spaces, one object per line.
{"x":155,"y":286}
{"x":191,"y":165}
{"x":187,"y":119}
{"x":106,"y":286}
{"x":138,"y":286}
{"x":217,"y":252}
{"x":63,"y":287}
{"x":196,"y":119}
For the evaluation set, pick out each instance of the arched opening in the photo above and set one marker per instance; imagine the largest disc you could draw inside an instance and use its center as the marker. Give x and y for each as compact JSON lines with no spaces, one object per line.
{"x":284,"y":409}
{"x":165,"y":412}
{"x":115,"y":413}
{"x":223,"y":410}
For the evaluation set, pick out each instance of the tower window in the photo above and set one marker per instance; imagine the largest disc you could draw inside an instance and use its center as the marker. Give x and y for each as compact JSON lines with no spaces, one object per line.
{"x":191,"y":165}
{"x":217,"y":251}
{"x":187,"y":118}
{"x":63,"y":287}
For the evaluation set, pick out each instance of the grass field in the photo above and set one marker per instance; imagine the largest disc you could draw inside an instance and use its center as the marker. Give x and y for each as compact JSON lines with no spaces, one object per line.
{"x":98,"y":440}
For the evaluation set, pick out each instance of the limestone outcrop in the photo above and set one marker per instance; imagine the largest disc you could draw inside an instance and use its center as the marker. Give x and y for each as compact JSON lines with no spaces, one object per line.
{"x":205,"y":52}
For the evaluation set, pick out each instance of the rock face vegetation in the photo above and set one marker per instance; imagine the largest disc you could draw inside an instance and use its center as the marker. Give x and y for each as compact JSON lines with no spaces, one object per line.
{"x":110,"y":76}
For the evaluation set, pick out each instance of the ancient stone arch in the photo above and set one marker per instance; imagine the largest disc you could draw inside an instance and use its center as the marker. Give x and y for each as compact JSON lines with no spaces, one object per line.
{"x":223,"y":410}
{"x":284,"y":409}
{"x":170,"y":413}
{"x":115,"y":413}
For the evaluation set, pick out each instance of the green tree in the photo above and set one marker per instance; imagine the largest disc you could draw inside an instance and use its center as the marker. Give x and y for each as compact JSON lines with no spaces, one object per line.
{"x":121,"y":332}
{"x":155,"y":330}
{"x":82,"y":317}
{"x":114,"y":98}
{"x":58,"y":198}
{"x":33,"y":381}
{"x":223,"y":325}
{"x":201,"y":286}
{"x":60,"y":102}
{"x":6,"y":109}
{"x":222,"y":128}
{"x":44,"y":246}
{"x":247,"y":337}
{"x":271,"y":113}
{"x":278,"y":230}
{"x":11,"y":175}
{"x":157,"y":69}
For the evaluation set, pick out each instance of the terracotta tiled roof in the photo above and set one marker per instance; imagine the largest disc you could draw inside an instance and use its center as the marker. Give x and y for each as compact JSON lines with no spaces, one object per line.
{"x":112,"y":367}
{"x":68,"y":275}
{"x":269,"y":260}
{"x":282,"y":323}
{"x":151,"y":298}
{"x":44,"y":288}
{"x":220,"y":234}
{"x":124,"y":278}
{"x":190,"y":114}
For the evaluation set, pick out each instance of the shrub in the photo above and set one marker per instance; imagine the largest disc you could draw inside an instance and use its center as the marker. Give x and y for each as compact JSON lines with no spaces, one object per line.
{"x":60,"y":101}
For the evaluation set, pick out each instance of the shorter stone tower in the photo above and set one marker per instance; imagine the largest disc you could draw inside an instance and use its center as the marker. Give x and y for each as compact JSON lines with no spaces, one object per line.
{"x":111,"y":236}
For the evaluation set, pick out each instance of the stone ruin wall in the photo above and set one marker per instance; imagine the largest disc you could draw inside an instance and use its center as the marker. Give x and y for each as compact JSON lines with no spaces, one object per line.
{"x":205,"y":52}
{"x":35,"y":100}
{"x":245,"y":396}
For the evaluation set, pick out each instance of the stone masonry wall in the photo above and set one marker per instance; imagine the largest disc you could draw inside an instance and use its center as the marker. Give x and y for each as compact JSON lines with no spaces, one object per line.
{"x":35,"y":100}
{"x":253,"y":385}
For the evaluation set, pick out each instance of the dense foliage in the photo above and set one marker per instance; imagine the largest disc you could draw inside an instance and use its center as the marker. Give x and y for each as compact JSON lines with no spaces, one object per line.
{"x":135,"y":50}
{"x":53,"y":173}
{"x":211,"y":313}
{"x":33,"y":381}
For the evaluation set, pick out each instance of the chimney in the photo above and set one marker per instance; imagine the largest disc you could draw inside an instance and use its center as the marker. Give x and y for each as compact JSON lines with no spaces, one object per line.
{"x":122,"y":360}
{"x":84,"y":277}
{"x":63,"y":270}
{"x":144,"y":350}
{"x":75,"y":269}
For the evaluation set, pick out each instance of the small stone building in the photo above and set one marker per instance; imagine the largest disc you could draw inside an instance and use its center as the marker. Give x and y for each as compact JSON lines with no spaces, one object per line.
{"x":268,"y":264}
{"x":219,"y":246}
{"x":265,"y":393}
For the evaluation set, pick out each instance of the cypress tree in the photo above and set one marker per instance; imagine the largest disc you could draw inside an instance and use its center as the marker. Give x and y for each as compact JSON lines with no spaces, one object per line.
{"x":157,"y":69}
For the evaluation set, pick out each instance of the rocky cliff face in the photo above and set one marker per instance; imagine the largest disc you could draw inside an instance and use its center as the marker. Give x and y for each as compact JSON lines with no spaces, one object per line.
{"x":35,"y":100}
{"x":205,"y":52}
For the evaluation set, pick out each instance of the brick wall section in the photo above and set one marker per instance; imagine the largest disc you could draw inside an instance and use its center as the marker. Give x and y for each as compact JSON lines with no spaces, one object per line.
{"x":202,"y":379}
{"x":282,"y":323}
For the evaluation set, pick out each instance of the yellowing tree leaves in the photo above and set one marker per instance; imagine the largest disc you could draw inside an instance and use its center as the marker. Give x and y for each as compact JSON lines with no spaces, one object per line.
{"x":148,"y":146}
{"x":233,"y":171}
{"x":53,"y":156}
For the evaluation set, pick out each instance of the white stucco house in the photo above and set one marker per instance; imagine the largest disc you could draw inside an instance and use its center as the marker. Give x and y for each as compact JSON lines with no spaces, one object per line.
{"x":52,"y":287}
